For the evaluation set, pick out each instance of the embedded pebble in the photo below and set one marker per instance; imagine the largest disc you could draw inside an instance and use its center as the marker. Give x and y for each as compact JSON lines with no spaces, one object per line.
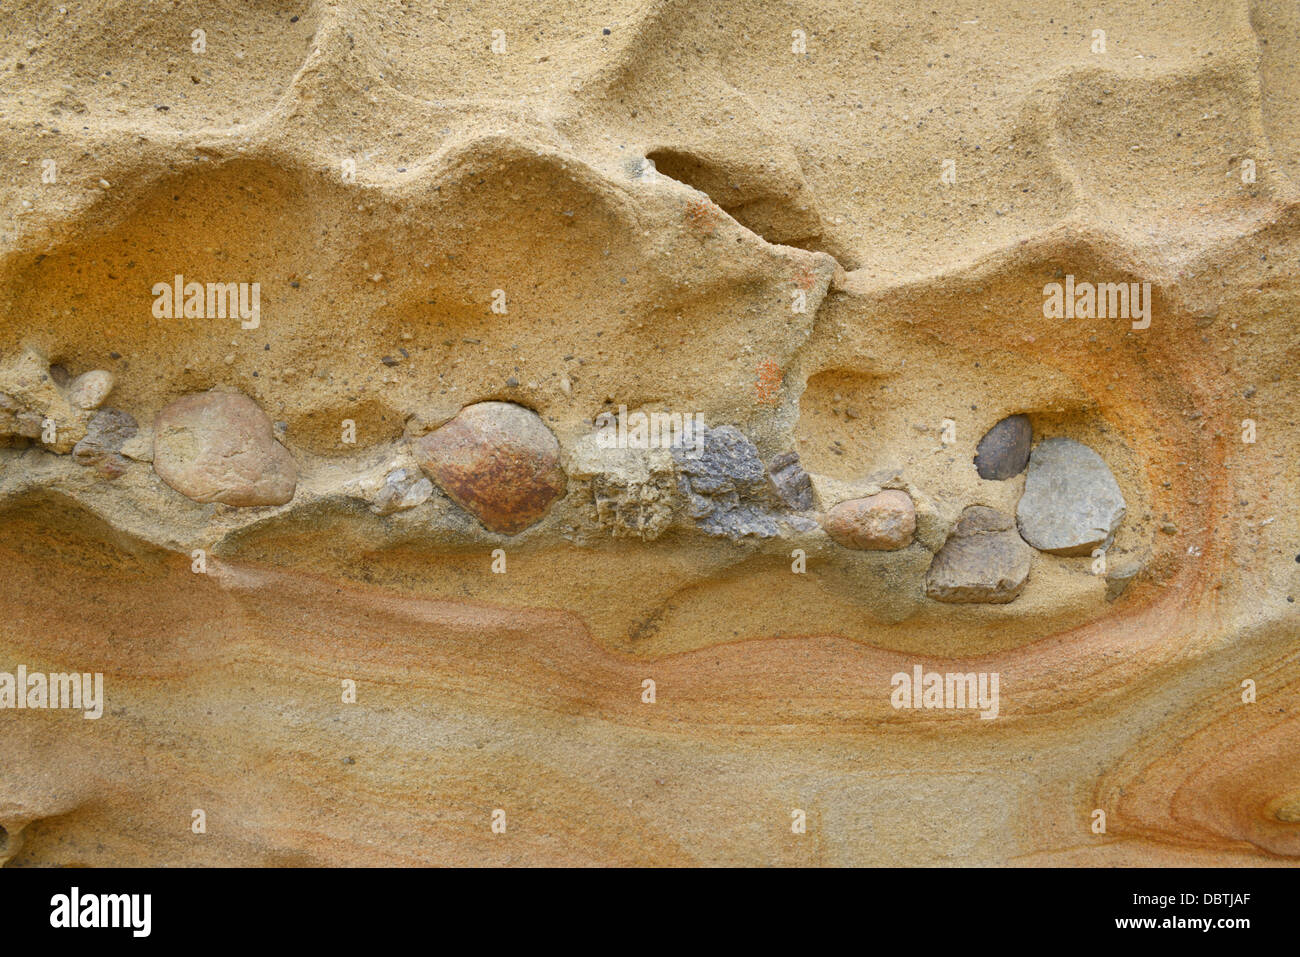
{"x":879,"y":522}
{"x":1071,"y":503}
{"x":496,"y":460}
{"x":89,"y":390}
{"x":1004,"y":451}
{"x":1120,"y":576}
{"x":219,"y":447}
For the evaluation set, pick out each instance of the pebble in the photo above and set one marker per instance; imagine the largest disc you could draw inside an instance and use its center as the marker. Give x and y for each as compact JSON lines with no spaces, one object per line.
{"x":881,"y":522}
{"x":219,"y":447}
{"x":1004,"y":450}
{"x":89,"y":390}
{"x":1071,"y":503}
{"x":983,"y":560}
{"x":498,"y":461}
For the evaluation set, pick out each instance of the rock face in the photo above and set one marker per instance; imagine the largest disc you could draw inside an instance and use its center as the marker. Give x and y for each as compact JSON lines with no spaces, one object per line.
{"x":496,"y":460}
{"x":726,"y":486}
{"x":109,"y":430}
{"x":1072,"y":503}
{"x":983,"y":560}
{"x":219,"y":447}
{"x":1004,"y":451}
{"x":876,"y":523}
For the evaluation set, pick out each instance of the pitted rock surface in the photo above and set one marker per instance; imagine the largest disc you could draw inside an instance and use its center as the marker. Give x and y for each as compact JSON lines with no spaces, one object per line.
{"x":726,"y":485}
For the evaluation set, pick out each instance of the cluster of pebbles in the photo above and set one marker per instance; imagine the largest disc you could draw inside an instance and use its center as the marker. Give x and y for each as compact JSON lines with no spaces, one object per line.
{"x":500,"y":463}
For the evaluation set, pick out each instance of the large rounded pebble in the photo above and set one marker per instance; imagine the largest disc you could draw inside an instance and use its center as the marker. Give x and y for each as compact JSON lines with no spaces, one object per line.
{"x":219,"y":447}
{"x":496,"y":460}
{"x":877,"y":523}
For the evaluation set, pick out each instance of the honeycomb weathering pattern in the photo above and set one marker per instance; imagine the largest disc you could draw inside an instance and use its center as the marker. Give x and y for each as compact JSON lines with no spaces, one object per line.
{"x":823,"y":229}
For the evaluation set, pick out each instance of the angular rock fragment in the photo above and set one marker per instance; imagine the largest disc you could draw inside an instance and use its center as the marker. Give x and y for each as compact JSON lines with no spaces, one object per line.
{"x":402,"y":489}
{"x":634,"y":490}
{"x":983,"y":560}
{"x":790,"y":483}
{"x":1071,"y":503}
{"x":726,"y":485}
{"x":1004,"y":451}
{"x":496,"y":460}
{"x":877,"y":523}
{"x":1120,"y":576}
{"x":109,"y":430}
{"x":219,"y":447}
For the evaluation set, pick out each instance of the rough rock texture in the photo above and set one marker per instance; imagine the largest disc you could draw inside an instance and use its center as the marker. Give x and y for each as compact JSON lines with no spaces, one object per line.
{"x":983,"y":560}
{"x":725,"y":485}
{"x":1072,"y":503}
{"x":840,"y":252}
{"x":496,"y":460}
{"x":1004,"y":450}
{"x":219,"y":447}
{"x":634,"y":491}
{"x":879,"y":522}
